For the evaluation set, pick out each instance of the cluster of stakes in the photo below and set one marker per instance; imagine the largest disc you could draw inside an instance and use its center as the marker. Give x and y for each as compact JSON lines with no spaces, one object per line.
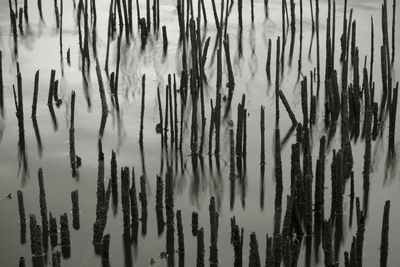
{"x":350,"y":104}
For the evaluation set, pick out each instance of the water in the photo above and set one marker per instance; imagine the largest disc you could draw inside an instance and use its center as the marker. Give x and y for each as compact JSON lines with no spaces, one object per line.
{"x":39,"y":50}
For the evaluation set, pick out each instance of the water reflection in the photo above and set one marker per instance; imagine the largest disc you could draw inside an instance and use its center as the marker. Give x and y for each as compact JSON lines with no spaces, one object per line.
{"x":185,"y":136}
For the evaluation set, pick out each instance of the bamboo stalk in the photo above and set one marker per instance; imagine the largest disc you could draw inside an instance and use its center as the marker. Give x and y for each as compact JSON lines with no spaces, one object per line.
{"x":138,"y":12}
{"x":217,"y":119}
{"x":334,"y":186}
{"x":181,"y":242}
{"x":385,"y":35}
{"x":101,"y":219}
{"x":254,"y":257}
{"x":304,"y":101}
{"x":216,"y":14}
{"x":105,"y":250}
{"x":171,"y":116}
{"x":203,"y":8}
{"x":65,"y":236}
{"x":277,"y":249}
{"x":384,"y":83}
{"x":130,"y":17}
{"x":35,"y":94}
{"x":51,"y":88}
{"x":36,"y":240}
{"x":277,"y":82}
{"x":301,"y":40}
{"x":75,"y":209}
{"x":353,"y":42}
{"x":269,"y":260}
{"x":1,"y":86}
{"x":13,"y":17}
{"x":148,"y":16}
{"x":114,"y":177}
{"x":100,"y":192}
{"x":252,"y":11}
{"x":288,"y":108}
{"x":368,"y":122}
{"x":57,"y":100}
{"x":282,"y":55}
{"x":158,"y":15}
{"x":266,"y":8}
{"x":339,"y":204}
{"x":312,"y":16}
{"x":142,"y":109}
{"x":134,"y":205}
{"x":109,"y":34}
{"x":169,"y":208}
{"x":327,"y":243}
{"x":86,"y":37}
{"x":79,"y":18}
{"x":56,"y":259}
{"x":115,"y":82}
{"x":165,"y":39}
{"x":392,"y":121}
{"x":237,"y":242}
{"x":278,"y":171}
{"x":56,"y":14}
{"x":231,"y":79}
{"x":195,"y":223}
{"x":20,"y":21}
{"x":159,"y":127}
{"x":43,"y":210}
{"x":268,"y":65}
{"x":376,"y":121}
{"x":22,"y":217}
{"x":393,"y":31}
{"x":240,"y":13}
{"x":292,"y":16}
{"x":328,"y":65}
{"x":385,"y":235}
{"x":125,"y":199}
{"x":61,"y":37}
{"x":333,"y":35}
{"x":239,"y":130}
{"x":318,"y":50}
{"x":287,"y":233}
{"x":143,"y":200}
{"x":126,"y":21}
{"x":159,"y":205}
{"x":19,"y":106}
{"x":232,"y":170}
{"x":39,"y":4}
{"x":166,"y":116}
{"x":353,"y":260}
{"x":352,"y":195}
{"x":262,"y":127}
{"x":318,"y":199}
{"x":181,"y":19}
{"x":213,"y":233}
{"x":53,"y":232}
{"x":211,"y":128}
{"x":200,"y":248}
{"x":348,"y":157}
{"x":74,"y":159}
{"x":104,"y":106}
{"x":344,"y":34}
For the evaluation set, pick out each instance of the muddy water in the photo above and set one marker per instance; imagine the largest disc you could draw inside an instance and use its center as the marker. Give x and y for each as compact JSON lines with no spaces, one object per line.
{"x":39,"y":50}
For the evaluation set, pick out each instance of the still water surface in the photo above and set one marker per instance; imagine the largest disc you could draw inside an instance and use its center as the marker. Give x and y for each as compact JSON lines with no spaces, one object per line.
{"x":39,"y":50}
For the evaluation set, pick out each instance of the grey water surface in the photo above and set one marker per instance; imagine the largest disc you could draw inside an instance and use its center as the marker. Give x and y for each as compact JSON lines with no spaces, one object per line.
{"x":39,"y":50}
